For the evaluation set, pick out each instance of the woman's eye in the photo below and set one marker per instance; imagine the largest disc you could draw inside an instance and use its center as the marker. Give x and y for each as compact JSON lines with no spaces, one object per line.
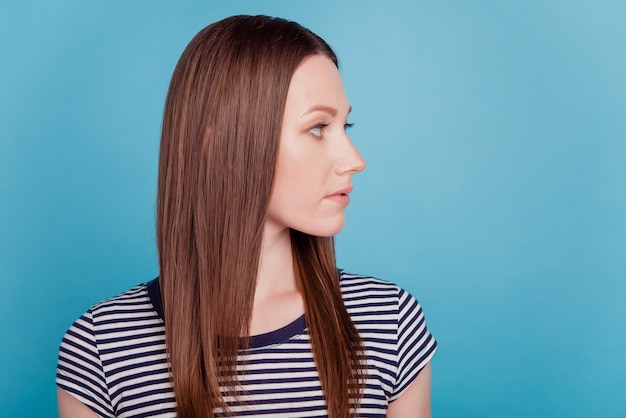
{"x":347,"y":126}
{"x":317,"y":130}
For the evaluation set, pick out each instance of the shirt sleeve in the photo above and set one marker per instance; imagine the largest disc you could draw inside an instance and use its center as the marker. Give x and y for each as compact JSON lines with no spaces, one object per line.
{"x":415,"y":344}
{"x":79,"y":368}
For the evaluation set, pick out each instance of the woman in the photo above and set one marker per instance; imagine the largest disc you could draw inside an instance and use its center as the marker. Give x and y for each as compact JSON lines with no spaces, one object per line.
{"x":250,"y":315}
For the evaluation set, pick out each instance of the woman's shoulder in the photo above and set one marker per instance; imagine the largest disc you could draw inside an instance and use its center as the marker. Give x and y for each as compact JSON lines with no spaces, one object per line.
{"x":114,"y":324}
{"x":392,"y":326}
{"x":362,"y":292}
{"x":130,"y":297}
{"x":131,"y":306}
{"x":364,"y":295}
{"x":352,"y":283}
{"x":113,"y":344}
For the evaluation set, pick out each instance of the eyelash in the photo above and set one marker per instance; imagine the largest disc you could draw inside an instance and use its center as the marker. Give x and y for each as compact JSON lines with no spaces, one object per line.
{"x":321,"y":127}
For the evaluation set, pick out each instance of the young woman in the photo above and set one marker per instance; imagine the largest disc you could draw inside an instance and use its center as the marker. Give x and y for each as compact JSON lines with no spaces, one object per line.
{"x":249,"y":315}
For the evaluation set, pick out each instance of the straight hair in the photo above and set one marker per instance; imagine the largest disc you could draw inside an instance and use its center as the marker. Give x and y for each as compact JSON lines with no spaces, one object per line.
{"x":219,"y":144}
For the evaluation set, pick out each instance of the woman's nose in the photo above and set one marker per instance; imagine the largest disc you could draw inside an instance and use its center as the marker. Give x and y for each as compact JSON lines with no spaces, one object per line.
{"x":350,"y":161}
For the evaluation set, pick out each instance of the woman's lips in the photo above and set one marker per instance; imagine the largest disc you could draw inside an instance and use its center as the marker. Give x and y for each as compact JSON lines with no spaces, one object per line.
{"x":341,"y":196}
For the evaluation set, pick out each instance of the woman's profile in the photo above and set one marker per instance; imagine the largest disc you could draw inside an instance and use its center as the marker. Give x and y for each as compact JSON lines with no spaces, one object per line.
{"x":250,"y":315}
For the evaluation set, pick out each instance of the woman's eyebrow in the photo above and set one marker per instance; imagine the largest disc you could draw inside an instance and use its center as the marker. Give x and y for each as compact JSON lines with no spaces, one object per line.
{"x":328,"y":109}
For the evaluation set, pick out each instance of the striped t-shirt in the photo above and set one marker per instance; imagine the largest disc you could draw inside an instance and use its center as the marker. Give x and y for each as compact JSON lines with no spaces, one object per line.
{"x":113,"y":358}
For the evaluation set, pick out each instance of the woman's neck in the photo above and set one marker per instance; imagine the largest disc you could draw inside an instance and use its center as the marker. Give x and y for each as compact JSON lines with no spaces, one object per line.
{"x":277,"y":298}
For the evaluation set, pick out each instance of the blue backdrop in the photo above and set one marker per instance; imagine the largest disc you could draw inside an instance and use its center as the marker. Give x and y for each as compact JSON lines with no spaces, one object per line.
{"x":495,"y":137}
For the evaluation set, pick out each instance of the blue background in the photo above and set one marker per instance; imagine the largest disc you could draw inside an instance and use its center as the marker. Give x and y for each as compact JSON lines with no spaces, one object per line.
{"x":495,"y":135}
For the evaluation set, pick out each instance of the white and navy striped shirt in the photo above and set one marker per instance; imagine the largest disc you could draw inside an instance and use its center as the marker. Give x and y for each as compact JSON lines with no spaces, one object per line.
{"x":113,"y":358}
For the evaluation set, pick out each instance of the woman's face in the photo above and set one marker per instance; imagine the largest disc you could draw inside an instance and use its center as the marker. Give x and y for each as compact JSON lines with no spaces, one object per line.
{"x":316,"y":159}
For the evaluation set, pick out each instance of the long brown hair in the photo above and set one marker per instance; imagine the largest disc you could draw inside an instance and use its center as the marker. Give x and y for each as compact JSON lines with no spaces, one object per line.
{"x":221,"y":128}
